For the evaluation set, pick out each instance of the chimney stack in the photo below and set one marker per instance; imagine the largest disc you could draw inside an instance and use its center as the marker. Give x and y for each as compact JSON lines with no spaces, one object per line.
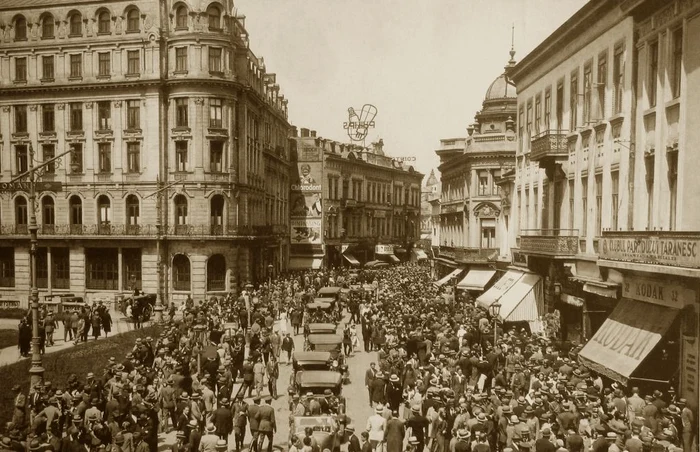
{"x":304,"y":132}
{"x":313,"y":133}
{"x":295,"y":132}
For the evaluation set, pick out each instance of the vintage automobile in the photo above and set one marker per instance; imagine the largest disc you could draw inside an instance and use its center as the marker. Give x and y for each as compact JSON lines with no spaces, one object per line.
{"x":323,"y":328}
{"x":327,"y":431}
{"x":325,"y":343}
{"x":329,"y":292}
{"x":317,"y":382}
{"x":141,"y":305}
{"x":304,"y":361}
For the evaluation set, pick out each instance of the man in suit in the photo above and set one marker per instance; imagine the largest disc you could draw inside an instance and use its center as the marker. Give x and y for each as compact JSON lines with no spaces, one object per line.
{"x":353,"y":441}
{"x":266,"y":423}
{"x":635,"y":405}
{"x":394,"y":433}
{"x":240,"y":421}
{"x":223,"y":420}
{"x":378,"y":388}
{"x":254,"y":421}
{"x":369,"y":377}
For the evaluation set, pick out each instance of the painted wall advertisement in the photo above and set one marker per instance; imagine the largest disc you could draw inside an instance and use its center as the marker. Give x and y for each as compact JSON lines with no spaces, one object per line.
{"x":306,"y":208}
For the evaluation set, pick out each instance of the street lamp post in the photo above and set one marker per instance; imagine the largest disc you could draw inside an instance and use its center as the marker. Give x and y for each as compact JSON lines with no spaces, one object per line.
{"x":36,"y":371}
{"x":495,"y":310}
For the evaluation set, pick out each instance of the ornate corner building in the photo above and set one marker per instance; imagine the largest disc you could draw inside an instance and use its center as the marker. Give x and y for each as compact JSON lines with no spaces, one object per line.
{"x":176,"y":140}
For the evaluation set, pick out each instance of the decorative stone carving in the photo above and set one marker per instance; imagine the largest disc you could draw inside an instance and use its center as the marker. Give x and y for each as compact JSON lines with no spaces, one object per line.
{"x":6,"y":108}
{"x":147,"y":21}
{"x":117,"y":103}
{"x":60,"y":106}
{"x":486,"y":210}
{"x":118,"y":25}
{"x":199,"y":100}
{"x":32,"y":107}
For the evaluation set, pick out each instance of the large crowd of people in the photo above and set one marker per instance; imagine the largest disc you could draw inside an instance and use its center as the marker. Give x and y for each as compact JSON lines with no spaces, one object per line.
{"x":441,"y":380}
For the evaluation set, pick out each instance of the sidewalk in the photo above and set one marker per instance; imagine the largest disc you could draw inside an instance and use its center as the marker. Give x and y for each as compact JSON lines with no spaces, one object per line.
{"x":10,"y":355}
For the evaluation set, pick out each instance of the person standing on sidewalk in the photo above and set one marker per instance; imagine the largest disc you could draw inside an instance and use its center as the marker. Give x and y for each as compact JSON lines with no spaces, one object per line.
{"x":74,"y":325}
{"x":288,"y":347}
{"x":106,"y":318}
{"x":49,"y":326}
{"x":273,"y":373}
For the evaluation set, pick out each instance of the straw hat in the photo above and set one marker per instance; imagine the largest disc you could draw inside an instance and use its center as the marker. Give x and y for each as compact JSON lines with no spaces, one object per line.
{"x":210,"y":428}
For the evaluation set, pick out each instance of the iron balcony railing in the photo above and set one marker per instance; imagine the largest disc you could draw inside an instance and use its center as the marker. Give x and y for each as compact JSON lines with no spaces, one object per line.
{"x":554,"y":242}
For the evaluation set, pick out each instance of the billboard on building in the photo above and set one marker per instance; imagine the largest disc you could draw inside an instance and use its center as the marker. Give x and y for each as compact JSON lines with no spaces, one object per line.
{"x":306,"y":205}
{"x":307,"y":230}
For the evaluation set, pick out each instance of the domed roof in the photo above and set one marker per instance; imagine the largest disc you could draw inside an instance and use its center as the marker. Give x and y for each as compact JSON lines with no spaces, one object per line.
{"x":501,"y":88}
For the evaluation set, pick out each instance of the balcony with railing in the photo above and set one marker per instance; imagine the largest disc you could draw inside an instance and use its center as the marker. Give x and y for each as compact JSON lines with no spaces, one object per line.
{"x":549,"y":242}
{"x":549,"y":145}
{"x":469,"y":255}
{"x":142,"y":230}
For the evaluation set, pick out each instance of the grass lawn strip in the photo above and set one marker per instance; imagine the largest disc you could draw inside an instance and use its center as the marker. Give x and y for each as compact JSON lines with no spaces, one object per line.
{"x":58,"y":366}
{"x":8,"y":338}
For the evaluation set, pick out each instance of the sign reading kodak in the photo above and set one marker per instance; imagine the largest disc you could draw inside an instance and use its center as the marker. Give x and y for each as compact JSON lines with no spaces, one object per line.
{"x":682,"y":251}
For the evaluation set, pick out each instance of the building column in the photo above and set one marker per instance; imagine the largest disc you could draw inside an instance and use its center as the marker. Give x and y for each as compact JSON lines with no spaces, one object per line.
{"x":49,"y":270}
{"x":120,"y":271}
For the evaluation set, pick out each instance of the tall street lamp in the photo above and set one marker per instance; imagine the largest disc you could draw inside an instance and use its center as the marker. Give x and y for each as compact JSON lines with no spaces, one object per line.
{"x":36,"y":371}
{"x":495,"y":310}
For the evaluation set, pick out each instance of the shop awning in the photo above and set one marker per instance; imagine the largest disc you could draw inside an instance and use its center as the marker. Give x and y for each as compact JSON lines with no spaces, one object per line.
{"x":305,"y":262}
{"x":447,"y":262}
{"x":390,"y":258}
{"x":499,"y":289}
{"x":351,"y":259}
{"x":425,"y":236}
{"x":626,"y":338}
{"x":521,"y":301}
{"x":420,"y":254}
{"x":476,"y":279}
{"x":447,"y":278}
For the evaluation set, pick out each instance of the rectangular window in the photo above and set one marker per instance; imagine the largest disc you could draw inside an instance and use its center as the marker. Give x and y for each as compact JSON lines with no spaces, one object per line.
{"x":538,"y":114}
{"x":21,"y":69}
{"x":214,"y":59}
{"x":48,"y":118}
{"x":618,"y":78}
{"x":7,"y":266}
{"x":571,"y":204}
{"x":42,"y":267}
{"x":20,"y":119}
{"x":76,"y":65}
{"x":48,"y":151}
{"x":672,"y":188}
{"x":133,"y":156}
{"x":602,"y":83}
{"x":615,"y":199}
{"x":573,"y":102}
{"x":133,"y":114}
{"x":521,"y":128}
{"x":22,"y":158}
{"x":105,"y":157}
{"x":653,"y":75}
{"x":598,"y":204}
{"x":587,"y":93}
{"x":547,"y":109}
{"x":483,"y":183}
{"x":529,"y":120}
{"x":181,"y":156}
{"x":104,"y":64}
{"x":181,"y":115}
{"x":47,"y":68}
{"x":677,"y":62}
{"x":76,"y":116}
{"x":133,"y":65}
{"x":216,"y":156}
{"x":560,"y":106}
{"x":76,"y":158}
{"x":584,"y":206}
{"x":104,"y":115}
{"x":60,"y":268}
{"x":102,"y":268}
{"x":215,"y":113}
{"x":181,"y":59}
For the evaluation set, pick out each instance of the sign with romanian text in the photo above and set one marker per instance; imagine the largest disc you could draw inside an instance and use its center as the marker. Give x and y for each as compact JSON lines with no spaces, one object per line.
{"x":384,"y":249}
{"x":656,"y":291}
{"x":12,"y":187}
{"x":671,"y":250}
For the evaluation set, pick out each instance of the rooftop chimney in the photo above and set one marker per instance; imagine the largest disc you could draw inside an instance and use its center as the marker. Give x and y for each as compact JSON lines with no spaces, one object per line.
{"x":304,"y":132}
{"x":295,"y":132}
{"x":312,"y":133}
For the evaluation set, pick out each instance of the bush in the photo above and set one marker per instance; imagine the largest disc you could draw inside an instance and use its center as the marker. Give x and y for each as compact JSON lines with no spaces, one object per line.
{"x":58,"y":366}
{"x":13,"y":313}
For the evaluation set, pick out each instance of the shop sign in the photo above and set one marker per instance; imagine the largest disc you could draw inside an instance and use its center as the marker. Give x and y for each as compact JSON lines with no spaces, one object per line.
{"x":659,"y":292}
{"x":452,"y":208}
{"x":12,"y":187}
{"x":380,"y":214}
{"x":519,"y":259}
{"x":9,"y":304}
{"x":647,"y":249}
{"x":384,"y":249}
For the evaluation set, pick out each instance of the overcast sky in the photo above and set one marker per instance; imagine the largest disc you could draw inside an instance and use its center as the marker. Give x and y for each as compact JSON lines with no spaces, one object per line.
{"x":425,"y":64}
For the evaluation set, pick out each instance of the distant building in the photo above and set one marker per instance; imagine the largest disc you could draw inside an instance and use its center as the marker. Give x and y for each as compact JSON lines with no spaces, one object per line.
{"x":177,"y":178}
{"x":429,"y":233}
{"x":351,"y":205}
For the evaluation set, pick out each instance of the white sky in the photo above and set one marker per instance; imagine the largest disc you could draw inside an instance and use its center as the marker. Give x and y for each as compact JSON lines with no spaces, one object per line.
{"x":425,"y":65}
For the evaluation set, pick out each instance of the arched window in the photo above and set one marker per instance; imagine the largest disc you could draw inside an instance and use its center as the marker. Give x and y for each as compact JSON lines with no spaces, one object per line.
{"x":48,"y":212}
{"x":48,"y":26}
{"x":104,"y":22}
{"x":181,"y":272}
{"x":217,"y":214}
{"x":216,"y":273}
{"x":132,"y":20}
{"x":180,"y":210}
{"x":181,"y":17}
{"x":20,"y":28}
{"x":76,"y":24}
{"x":132,"y":210}
{"x":104,"y":210}
{"x":214,"y":18}
{"x":75,"y":213}
{"x":21,"y":213}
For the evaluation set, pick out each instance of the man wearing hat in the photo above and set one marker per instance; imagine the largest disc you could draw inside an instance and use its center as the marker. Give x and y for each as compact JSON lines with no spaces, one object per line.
{"x":240,"y":421}
{"x":209,"y":439}
{"x":222,"y":418}
{"x":463,"y":444}
{"x":688,"y":423}
{"x":179,"y":446}
{"x":418,"y":424}
{"x":376,"y":425}
{"x":254,"y":422}
{"x":635,"y":404}
{"x":267,"y":425}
